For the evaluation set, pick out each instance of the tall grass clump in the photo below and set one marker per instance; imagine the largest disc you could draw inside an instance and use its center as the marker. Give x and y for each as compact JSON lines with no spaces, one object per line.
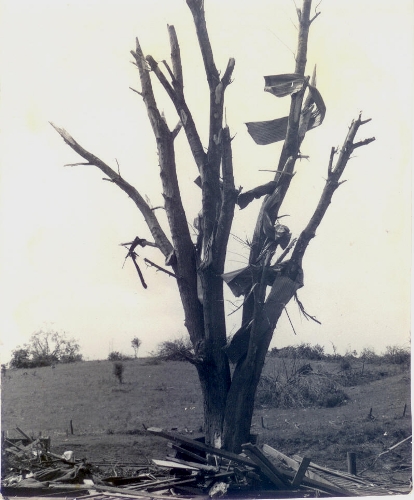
{"x":293,"y":386}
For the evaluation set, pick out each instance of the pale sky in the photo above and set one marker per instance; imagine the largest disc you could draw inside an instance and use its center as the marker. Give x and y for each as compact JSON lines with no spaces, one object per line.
{"x":68,"y":62}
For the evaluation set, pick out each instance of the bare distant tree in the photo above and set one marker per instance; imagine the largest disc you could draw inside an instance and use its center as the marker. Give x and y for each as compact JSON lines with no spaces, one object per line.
{"x":136,"y":344}
{"x":274,"y":272}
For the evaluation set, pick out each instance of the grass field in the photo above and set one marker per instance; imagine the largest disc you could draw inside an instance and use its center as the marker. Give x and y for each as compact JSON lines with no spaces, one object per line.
{"x":108,"y":418}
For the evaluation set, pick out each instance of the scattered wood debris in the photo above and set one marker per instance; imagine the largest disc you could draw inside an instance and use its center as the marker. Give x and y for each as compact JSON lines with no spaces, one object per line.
{"x":191,"y":470}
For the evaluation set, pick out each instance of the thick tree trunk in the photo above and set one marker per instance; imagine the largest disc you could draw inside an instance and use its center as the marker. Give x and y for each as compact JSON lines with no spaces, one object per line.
{"x":240,"y":400}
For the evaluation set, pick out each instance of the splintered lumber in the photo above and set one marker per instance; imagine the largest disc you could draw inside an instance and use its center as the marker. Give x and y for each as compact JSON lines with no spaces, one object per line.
{"x":171,"y":484}
{"x":395,"y":446}
{"x":172,"y":465}
{"x":159,"y":483}
{"x":301,"y":472}
{"x":268,"y":469}
{"x":24,"y":434}
{"x":194,"y":465}
{"x":124,"y":491}
{"x":333,"y":472}
{"x":201,"y":446}
{"x":311,"y":478}
{"x":187,"y":453}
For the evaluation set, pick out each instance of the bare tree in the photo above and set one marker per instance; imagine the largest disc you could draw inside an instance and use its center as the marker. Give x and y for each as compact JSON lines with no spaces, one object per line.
{"x":136,"y":344}
{"x":273,"y":274}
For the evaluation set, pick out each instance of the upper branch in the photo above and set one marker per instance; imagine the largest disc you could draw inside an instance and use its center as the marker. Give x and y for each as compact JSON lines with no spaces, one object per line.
{"x":177,"y":98}
{"x":332,"y":183}
{"x":158,"y":124}
{"x":197,"y":10}
{"x":158,"y":234}
{"x":176,"y":59}
{"x":305,"y":22}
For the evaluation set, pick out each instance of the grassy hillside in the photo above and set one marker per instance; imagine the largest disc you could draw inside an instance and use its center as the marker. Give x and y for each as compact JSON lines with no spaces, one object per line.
{"x":108,"y":417}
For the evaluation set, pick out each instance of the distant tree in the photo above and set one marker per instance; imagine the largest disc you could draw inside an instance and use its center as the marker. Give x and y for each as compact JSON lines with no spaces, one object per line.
{"x":45,"y":349}
{"x":136,"y":344}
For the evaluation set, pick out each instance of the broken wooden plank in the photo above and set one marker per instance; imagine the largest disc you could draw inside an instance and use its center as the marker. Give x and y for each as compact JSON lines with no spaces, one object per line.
{"x":172,"y":483}
{"x":201,"y":446}
{"x":333,"y":472}
{"x":268,"y":469}
{"x":187,"y":453}
{"x":311,"y":479}
{"x":294,"y":464}
{"x":300,"y":473}
{"x":172,"y":465}
{"x":16,"y":445}
{"x":24,"y":434}
{"x":203,"y":467}
{"x":124,"y":491}
{"x":395,"y":446}
{"x":143,"y":485}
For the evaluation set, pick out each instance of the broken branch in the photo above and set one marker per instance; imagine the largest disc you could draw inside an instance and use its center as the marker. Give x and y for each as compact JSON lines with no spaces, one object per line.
{"x":302,"y":310}
{"x":152,"y":264}
{"x":158,"y":234}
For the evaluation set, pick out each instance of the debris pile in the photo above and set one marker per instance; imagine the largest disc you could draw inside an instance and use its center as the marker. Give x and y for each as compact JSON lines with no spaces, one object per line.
{"x":191,"y":469}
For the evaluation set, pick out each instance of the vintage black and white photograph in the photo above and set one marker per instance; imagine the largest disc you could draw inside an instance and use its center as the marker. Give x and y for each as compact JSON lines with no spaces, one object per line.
{"x":205,"y":260}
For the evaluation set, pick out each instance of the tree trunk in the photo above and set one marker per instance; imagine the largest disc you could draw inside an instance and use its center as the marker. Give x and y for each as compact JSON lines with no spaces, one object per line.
{"x":240,"y":400}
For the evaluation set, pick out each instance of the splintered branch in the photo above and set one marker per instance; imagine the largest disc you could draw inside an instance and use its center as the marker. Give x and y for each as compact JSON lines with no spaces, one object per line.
{"x":76,"y":164}
{"x":178,"y":81}
{"x":197,"y":10}
{"x":157,"y":232}
{"x":133,"y":256}
{"x":332,"y":183}
{"x":303,"y":311}
{"x":152,"y":264}
{"x":186,"y":119}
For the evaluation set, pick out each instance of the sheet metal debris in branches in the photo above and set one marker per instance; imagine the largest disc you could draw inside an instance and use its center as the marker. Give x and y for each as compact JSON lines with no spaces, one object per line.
{"x":283,"y":85}
{"x":270,"y":131}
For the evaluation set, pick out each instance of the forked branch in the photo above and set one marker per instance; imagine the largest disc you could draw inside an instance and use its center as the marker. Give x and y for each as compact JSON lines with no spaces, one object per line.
{"x":332,"y":183}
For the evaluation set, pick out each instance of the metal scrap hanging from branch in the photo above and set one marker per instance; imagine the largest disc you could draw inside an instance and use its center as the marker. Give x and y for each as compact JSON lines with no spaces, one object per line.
{"x":271,"y":131}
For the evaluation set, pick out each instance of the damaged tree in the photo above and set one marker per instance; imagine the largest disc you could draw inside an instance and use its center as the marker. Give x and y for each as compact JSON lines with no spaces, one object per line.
{"x":271,"y":279}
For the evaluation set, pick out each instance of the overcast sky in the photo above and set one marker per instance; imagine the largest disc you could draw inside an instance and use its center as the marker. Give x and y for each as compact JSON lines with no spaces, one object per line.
{"x":68,"y":61}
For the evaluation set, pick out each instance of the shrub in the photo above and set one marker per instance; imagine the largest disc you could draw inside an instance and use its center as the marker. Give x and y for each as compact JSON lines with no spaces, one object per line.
{"x":397,"y":355}
{"x":46,"y":349}
{"x":118,"y":371}
{"x":21,"y":358}
{"x":174,"y":350}
{"x":118,"y":356}
{"x":301,"y":351}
